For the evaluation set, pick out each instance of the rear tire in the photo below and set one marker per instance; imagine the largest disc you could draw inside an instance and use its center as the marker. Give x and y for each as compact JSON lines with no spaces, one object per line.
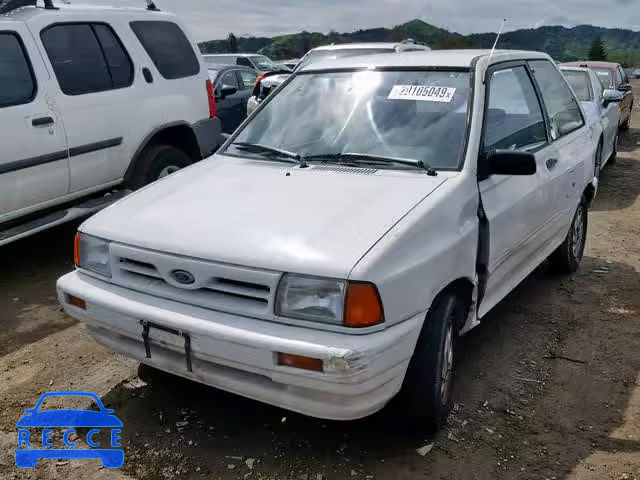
{"x":567,"y":257}
{"x":425,"y":399}
{"x":155,"y":162}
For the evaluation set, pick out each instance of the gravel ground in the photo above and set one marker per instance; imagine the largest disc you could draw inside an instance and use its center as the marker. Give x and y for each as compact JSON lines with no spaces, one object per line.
{"x":548,"y":387}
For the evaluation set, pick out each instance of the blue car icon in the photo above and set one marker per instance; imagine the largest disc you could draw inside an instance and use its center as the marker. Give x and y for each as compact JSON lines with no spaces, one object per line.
{"x":69,"y":419}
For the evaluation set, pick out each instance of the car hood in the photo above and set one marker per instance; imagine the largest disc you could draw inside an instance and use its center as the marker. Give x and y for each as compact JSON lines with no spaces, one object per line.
{"x":69,"y":418}
{"x":320,"y":220}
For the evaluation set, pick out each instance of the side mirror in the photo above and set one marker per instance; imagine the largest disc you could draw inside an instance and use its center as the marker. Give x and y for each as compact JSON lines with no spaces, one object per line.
{"x":226,"y":90}
{"x":511,"y":162}
{"x":612,"y":96}
{"x":625,"y":87}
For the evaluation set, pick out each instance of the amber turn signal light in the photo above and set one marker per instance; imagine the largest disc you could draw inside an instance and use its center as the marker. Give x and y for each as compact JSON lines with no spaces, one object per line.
{"x":363,"y":307}
{"x":300,"y":361}
{"x":76,"y":302}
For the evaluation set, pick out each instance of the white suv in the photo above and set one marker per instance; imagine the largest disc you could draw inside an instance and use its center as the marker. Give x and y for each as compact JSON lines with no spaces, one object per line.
{"x":326,"y":261}
{"x":90,"y":99}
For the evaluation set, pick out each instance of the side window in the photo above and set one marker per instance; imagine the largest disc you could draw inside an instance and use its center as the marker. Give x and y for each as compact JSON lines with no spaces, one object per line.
{"x":623,"y":75}
{"x":229,"y":79}
{"x":247,"y":79}
{"x":598,"y":90}
{"x":17,"y":85}
{"x":244,"y":62}
{"x":117,"y":58}
{"x":561,"y":105}
{"x":168,"y":48}
{"x":87,"y":58}
{"x":513,"y":119}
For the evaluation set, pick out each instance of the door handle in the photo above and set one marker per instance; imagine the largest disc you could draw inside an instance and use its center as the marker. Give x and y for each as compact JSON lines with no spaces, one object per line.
{"x":551,"y":163}
{"x":42,"y":121}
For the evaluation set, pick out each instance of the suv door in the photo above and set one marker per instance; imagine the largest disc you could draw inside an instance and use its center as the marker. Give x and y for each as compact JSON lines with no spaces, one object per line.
{"x":517,"y":209}
{"x":34,"y":165}
{"x":95,"y":74}
{"x":231,"y":108}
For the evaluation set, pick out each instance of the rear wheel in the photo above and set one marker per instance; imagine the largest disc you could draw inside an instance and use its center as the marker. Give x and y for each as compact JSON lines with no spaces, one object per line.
{"x":567,"y":257}
{"x":425,"y":399}
{"x":156,"y":162}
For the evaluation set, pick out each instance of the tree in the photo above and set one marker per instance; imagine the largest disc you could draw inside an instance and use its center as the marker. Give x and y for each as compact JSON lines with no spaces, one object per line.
{"x":233,"y":43}
{"x":597,"y":50}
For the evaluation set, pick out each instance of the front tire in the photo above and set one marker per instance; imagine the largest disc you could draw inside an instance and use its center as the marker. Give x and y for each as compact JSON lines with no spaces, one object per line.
{"x":598,"y":161}
{"x":567,"y":257}
{"x":425,"y":399}
{"x":614,"y":154}
{"x":156,"y":162}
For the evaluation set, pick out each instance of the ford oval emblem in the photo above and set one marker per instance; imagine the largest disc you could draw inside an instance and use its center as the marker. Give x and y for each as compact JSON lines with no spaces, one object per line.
{"x":183,"y":277}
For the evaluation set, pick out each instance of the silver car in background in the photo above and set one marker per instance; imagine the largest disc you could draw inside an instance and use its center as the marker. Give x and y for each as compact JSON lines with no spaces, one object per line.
{"x":268,"y":83}
{"x":602,"y":110}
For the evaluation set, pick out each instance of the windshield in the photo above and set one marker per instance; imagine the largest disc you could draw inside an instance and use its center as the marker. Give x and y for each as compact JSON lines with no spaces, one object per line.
{"x":317,"y":55}
{"x":579,"y":81}
{"x":414,"y":115}
{"x":263,"y":63}
{"x":605,"y":77}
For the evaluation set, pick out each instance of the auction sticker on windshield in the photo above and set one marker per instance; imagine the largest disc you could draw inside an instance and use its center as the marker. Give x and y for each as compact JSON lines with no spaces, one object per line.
{"x":422,"y":92}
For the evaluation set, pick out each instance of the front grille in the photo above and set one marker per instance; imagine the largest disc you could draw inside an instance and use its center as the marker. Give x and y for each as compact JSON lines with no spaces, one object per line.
{"x":216,"y":286}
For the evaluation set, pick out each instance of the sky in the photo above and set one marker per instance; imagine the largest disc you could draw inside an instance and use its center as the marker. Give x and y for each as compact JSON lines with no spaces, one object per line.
{"x":214,"y":19}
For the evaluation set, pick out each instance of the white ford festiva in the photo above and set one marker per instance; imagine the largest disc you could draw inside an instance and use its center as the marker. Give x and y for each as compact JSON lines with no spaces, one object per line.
{"x":327,"y":257}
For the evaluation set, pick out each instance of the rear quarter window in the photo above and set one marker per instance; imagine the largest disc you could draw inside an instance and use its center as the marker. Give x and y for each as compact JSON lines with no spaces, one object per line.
{"x":168,"y":48}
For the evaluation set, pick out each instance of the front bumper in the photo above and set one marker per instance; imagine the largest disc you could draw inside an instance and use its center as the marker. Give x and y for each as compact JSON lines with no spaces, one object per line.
{"x":238,"y":354}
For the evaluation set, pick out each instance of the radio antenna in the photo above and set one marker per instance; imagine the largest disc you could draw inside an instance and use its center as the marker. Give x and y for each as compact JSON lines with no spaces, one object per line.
{"x":495,"y":44}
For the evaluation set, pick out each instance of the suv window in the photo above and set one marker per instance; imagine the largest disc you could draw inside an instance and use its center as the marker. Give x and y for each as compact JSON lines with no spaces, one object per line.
{"x":623,"y":76}
{"x":168,"y":47}
{"x":561,"y":105}
{"x":247,"y":79}
{"x":17,"y":85}
{"x":513,"y":119}
{"x":245,"y":62}
{"x":87,"y":58}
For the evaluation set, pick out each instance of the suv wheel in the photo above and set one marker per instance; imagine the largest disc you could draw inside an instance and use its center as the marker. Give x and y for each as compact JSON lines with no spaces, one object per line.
{"x":567,"y":257}
{"x":425,"y":399}
{"x":156,"y":162}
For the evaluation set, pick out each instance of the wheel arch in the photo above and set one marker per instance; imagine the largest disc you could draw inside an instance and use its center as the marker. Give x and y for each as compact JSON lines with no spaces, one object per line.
{"x":176,"y":134}
{"x":464,"y":288}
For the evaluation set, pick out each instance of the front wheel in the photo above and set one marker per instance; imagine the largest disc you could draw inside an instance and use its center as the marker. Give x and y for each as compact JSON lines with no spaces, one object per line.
{"x":598,"y":161}
{"x":156,"y":162}
{"x":567,"y":257}
{"x":614,"y":154}
{"x":425,"y":399}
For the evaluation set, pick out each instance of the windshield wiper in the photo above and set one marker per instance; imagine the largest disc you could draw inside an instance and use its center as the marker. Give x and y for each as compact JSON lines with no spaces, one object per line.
{"x":370,"y":159}
{"x":258,"y":148}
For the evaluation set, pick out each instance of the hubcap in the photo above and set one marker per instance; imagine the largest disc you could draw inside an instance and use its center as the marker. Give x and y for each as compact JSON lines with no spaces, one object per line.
{"x":578,"y":233}
{"x":447,"y":366}
{"x":166,"y":171}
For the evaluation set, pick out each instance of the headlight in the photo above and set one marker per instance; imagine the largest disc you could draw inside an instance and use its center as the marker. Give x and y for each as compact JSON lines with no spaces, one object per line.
{"x":331,"y":301}
{"x":92,"y":253}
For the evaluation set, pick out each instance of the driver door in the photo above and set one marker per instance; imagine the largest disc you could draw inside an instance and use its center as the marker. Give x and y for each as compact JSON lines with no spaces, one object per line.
{"x":230,"y":108}
{"x":517,"y":209}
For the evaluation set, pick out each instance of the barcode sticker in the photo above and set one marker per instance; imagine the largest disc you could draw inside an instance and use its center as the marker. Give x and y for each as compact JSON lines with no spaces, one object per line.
{"x":422,"y":92}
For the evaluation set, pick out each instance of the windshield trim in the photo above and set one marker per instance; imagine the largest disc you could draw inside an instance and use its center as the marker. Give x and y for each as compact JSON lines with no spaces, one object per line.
{"x":223,"y":150}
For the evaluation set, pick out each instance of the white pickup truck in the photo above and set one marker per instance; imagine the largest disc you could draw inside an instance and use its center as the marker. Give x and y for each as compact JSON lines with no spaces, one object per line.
{"x":328,"y":256}
{"x":93,"y":98}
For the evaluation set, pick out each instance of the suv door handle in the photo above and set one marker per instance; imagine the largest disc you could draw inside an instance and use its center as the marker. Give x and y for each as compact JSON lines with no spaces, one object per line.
{"x":42,"y":121}
{"x":551,"y":163}
{"x":146,"y":73}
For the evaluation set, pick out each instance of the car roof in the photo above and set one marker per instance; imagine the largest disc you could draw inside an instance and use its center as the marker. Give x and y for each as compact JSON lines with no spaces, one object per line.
{"x":593,"y":64}
{"x":427,"y":58}
{"x":366,"y":45}
{"x":570,"y":68}
{"x":24,"y":14}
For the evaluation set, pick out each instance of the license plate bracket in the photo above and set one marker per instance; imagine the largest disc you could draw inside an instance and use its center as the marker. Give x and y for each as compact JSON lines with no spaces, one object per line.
{"x":147,"y":326}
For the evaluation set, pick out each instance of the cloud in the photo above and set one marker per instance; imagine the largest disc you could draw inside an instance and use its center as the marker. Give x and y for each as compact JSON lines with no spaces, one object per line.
{"x":209,"y":19}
